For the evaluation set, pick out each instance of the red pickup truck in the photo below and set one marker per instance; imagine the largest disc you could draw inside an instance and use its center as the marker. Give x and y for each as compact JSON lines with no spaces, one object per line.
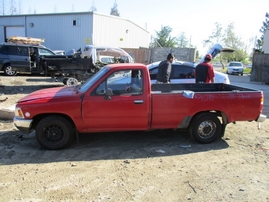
{"x":120,"y":97}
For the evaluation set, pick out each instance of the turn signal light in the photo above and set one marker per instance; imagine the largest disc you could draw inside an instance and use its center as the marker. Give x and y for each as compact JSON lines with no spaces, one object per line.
{"x":18,"y":112}
{"x":262,"y":99}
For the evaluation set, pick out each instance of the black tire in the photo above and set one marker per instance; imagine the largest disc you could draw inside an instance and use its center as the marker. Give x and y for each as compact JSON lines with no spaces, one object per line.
{"x":8,"y":70}
{"x":54,"y":132}
{"x":65,"y":81}
{"x":205,"y":128}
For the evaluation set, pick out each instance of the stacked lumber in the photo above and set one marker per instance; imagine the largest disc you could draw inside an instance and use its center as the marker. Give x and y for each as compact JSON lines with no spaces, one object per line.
{"x":25,"y":40}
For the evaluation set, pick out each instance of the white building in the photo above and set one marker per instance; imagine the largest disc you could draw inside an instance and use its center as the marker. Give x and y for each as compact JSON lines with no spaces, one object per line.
{"x":265,"y":46}
{"x":74,"y":30}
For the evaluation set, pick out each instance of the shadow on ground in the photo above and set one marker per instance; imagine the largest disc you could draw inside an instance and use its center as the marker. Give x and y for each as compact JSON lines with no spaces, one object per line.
{"x":16,"y":148}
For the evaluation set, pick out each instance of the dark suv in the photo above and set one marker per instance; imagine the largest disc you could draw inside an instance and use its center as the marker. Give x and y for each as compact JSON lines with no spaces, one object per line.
{"x":21,"y":57}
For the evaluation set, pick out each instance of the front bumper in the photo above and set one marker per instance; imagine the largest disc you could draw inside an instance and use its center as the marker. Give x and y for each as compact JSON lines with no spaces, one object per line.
{"x":261,"y":118}
{"x":235,"y":71}
{"x":24,"y":125}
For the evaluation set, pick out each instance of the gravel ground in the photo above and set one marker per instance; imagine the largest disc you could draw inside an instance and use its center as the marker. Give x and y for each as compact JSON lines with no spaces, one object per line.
{"x":154,"y":166}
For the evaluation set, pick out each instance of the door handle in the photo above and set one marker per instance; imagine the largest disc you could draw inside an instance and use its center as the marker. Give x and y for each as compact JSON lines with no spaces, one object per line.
{"x":138,"y":102}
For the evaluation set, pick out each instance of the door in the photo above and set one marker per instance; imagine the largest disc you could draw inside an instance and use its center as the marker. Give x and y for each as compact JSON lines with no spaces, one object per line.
{"x":119,"y":103}
{"x":35,"y":60}
{"x":19,"y":58}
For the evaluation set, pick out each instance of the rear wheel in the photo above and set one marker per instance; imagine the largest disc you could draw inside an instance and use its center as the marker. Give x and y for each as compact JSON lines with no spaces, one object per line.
{"x":8,"y":71}
{"x":205,"y":128}
{"x":54,"y":132}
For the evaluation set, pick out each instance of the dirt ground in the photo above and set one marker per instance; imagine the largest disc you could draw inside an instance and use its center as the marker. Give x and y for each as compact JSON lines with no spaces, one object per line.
{"x":155,"y":166}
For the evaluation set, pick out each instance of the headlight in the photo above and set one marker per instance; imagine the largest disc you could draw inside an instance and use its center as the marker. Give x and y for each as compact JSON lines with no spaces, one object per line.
{"x":18,"y":112}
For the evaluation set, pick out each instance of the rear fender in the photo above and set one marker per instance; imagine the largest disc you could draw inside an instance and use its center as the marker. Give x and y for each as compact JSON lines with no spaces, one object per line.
{"x":185,"y":123}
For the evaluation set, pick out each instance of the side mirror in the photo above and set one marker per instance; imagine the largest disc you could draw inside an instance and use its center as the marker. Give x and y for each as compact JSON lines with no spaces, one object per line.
{"x":108,"y":94}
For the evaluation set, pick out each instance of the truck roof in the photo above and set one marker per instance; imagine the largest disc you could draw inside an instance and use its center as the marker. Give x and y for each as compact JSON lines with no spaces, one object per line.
{"x":127,"y":65}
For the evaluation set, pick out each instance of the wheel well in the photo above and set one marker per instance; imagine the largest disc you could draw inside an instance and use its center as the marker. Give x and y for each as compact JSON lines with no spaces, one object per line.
{"x":39,"y":117}
{"x":220,"y":114}
{"x":4,"y":65}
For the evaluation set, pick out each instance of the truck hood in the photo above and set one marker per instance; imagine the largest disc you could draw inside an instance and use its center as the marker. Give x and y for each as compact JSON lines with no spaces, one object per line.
{"x":50,"y":93}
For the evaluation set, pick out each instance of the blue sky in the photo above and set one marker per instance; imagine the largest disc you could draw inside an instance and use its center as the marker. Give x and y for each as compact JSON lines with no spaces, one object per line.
{"x":196,"y":18}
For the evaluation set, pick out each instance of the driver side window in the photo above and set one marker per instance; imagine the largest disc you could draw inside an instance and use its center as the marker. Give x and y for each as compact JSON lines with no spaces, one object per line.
{"x":122,"y":82}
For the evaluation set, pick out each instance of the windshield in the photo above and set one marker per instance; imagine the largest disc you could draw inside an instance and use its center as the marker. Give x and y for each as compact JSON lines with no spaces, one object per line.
{"x":43,"y":51}
{"x":235,"y":64}
{"x":85,"y":86}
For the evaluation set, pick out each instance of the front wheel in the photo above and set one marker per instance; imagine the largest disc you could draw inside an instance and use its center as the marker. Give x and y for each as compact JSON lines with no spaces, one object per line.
{"x":54,"y":132}
{"x":205,"y":128}
{"x":8,"y":71}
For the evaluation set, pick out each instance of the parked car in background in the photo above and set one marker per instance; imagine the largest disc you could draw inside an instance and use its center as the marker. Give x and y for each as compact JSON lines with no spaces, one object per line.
{"x":17,"y":57}
{"x":183,"y":72}
{"x":249,"y":66}
{"x":235,"y":68}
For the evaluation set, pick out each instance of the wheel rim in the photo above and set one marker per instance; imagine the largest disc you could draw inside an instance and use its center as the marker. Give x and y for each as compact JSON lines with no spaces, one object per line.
{"x":207,"y":129}
{"x":54,"y":133}
{"x":72,"y":82}
{"x":9,"y":71}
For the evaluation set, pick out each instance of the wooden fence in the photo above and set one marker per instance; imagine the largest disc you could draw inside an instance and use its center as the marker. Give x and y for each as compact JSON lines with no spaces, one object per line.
{"x":149,"y":55}
{"x":260,"y":68}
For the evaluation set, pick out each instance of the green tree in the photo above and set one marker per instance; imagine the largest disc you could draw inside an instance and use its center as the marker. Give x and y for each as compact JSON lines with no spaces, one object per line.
{"x":114,"y":9}
{"x":164,"y":39}
{"x":264,"y":27}
{"x":215,"y":37}
{"x":231,"y":40}
{"x":228,"y":38}
{"x":182,"y":40}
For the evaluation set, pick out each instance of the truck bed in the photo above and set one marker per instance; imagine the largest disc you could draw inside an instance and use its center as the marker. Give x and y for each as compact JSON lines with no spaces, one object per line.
{"x":62,"y":62}
{"x":183,"y":101}
{"x":215,"y":87}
